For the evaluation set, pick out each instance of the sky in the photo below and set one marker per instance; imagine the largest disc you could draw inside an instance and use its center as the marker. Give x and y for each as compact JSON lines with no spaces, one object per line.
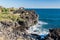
{"x":31,"y":3}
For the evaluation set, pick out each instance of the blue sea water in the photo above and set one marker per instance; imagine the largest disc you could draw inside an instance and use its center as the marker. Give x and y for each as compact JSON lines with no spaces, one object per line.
{"x":48,"y":18}
{"x":51,"y":16}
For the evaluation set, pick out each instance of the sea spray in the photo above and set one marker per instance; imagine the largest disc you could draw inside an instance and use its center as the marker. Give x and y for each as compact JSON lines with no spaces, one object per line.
{"x":38,"y":28}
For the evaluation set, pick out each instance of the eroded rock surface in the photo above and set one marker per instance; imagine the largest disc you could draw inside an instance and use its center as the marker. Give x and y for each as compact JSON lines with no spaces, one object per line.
{"x":10,"y":30}
{"x":30,"y":17}
{"x":53,"y":35}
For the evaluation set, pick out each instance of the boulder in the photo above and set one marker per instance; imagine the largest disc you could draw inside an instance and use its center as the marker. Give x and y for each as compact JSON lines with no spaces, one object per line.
{"x":54,"y":34}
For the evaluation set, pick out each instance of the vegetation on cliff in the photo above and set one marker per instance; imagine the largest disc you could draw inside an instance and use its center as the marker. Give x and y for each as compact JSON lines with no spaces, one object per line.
{"x":10,"y":17}
{"x":15,"y":22}
{"x":6,"y":15}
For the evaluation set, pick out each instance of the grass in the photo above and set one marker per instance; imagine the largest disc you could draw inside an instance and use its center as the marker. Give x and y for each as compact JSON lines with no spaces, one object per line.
{"x":10,"y":17}
{"x":5,"y":15}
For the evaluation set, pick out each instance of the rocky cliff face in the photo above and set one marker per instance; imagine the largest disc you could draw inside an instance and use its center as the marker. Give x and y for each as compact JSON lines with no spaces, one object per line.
{"x":10,"y":30}
{"x":29,"y":16}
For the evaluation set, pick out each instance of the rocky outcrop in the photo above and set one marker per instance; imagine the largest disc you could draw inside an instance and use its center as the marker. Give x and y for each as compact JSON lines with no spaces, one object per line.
{"x":10,"y":30}
{"x":29,"y":16}
{"x":54,"y":34}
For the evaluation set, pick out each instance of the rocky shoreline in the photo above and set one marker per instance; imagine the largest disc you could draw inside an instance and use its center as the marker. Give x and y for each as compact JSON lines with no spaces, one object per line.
{"x":14,"y":26}
{"x":54,"y":34}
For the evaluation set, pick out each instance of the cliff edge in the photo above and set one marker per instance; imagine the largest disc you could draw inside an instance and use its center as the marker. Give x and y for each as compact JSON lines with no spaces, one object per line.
{"x":13,"y":25}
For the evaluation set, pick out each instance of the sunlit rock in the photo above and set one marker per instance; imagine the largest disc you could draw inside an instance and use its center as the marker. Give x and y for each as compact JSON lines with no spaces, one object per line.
{"x":15,"y":29}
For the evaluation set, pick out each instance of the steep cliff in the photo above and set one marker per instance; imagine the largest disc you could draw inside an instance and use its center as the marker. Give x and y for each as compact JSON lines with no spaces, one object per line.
{"x":13,"y":26}
{"x":29,"y":16}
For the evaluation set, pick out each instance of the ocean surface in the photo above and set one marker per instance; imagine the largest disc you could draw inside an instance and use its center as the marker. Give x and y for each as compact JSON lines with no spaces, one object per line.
{"x":48,"y":18}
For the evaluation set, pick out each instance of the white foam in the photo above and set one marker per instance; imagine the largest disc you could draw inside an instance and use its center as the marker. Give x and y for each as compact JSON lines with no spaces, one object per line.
{"x":42,"y":23}
{"x":37,"y":29}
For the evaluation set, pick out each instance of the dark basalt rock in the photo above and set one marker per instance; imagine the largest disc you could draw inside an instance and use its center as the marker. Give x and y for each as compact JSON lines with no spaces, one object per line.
{"x":36,"y":36}
{"x":54,"y":34}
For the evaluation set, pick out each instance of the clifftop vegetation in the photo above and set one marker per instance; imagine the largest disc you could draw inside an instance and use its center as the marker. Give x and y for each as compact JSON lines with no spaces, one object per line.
{"x":14,"y":23}
{"x":7,"y":14}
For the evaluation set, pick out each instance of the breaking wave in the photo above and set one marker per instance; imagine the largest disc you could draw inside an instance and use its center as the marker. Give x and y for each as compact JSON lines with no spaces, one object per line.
{"x":38,"y":28}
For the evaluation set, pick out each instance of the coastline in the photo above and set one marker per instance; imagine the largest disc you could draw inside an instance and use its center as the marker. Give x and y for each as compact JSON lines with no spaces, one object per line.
{"x":14,"y":23}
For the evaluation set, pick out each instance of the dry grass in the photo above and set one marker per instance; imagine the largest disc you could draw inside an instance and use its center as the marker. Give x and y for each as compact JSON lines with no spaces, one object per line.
{"x":10,"y":17}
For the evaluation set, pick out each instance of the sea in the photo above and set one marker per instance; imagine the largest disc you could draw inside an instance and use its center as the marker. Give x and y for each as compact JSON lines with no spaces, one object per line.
{"x":48,"y":19}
